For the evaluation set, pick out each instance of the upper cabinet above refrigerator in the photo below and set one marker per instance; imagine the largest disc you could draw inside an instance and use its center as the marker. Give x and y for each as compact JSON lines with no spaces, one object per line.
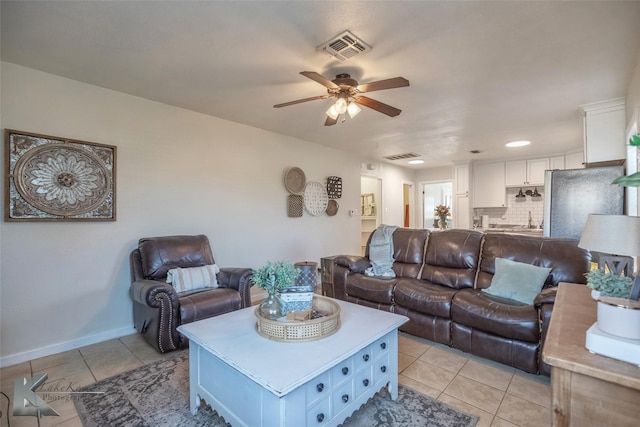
{"x":604,"y":131}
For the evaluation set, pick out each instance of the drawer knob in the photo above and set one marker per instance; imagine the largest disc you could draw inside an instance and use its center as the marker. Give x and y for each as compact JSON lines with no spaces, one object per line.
{"x":366,"y":357}
{"x":383,"y":368}
{"x":345,"y":370}
{"x":365,"y":382}
{"x":320,"y":387}
{"x":345,"y":398}
{"x":320,"y":417}
{"x":383,"y":345}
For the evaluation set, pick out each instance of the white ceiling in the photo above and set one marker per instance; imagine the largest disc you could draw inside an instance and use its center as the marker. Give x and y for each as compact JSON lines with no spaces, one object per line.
{"x":481,"y":73}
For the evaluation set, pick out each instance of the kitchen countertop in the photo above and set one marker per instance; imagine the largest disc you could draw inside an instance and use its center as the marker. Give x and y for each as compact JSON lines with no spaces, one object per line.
{"x":513,"y":230}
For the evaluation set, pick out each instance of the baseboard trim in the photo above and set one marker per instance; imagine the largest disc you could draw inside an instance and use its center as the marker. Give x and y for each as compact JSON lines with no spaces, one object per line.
{"x":13,"y":359}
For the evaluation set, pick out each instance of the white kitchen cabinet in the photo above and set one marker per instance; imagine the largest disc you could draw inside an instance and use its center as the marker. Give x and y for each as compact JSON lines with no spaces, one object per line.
{"x":604,"y":131}
{"x":574,"y":160}
{"x":461,"y":176}
{"x":526,"y":172}
{"x":556,"y":163}
{"x":462,"y":197}
{"x":489,"y":185}
{"x":461,"y":211}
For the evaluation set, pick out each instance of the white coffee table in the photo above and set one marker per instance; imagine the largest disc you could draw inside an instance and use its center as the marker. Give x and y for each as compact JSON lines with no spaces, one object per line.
{"x":253,"y":381}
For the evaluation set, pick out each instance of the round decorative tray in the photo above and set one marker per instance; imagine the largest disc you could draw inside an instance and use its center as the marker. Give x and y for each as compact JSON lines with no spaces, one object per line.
{"x":315,"y":198}
{"x":304,"y":330}
{"x":295,"y":180}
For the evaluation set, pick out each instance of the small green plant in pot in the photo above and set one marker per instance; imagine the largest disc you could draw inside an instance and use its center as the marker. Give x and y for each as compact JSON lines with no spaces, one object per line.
{"x":274,"y":277}
{"x":609,"y":285}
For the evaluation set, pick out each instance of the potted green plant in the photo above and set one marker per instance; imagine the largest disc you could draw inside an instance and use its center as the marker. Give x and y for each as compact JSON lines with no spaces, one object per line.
{"x":632,"y":180}
{"x":608,"y":285}
{"x":274,"y":277}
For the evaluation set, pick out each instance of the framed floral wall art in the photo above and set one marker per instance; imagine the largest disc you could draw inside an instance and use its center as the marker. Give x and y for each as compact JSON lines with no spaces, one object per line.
{"x":48,"y":178}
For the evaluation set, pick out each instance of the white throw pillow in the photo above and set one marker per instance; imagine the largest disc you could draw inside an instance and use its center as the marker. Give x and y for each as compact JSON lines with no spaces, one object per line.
{"x":190,"y":279}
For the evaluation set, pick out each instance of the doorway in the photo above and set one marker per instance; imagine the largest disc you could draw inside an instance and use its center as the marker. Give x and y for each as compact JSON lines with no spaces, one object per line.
{"x":434,"y":194}
{"x":407,"y":205}
{"x":370,"y":208}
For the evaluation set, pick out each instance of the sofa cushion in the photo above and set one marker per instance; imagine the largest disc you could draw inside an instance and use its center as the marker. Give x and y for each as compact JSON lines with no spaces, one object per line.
{"x":452,"y":258}
{"x":500,"y":316}
{"x":158,"y":255}
{"x":517,"y":280}
{"x":567,"y":261}
{"x":189,"y":279}
{"x":424,"y":297}
{"x":375,"y":289}
{"x":202,"y":304}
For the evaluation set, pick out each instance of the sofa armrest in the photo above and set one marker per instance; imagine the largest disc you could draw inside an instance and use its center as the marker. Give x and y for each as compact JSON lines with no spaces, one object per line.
{"x":146,"y":292}
{"x":239,"y":279}
{"x":356,"y":264}
{"x":546,"y":296}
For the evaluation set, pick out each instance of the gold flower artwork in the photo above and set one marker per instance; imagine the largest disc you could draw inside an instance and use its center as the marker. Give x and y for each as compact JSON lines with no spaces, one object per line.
{"x":53,"y":179}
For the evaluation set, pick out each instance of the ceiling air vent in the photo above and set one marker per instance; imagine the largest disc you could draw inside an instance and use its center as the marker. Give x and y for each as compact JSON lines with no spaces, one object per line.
{"x":344,"y":46}
{"x":402,"y":156}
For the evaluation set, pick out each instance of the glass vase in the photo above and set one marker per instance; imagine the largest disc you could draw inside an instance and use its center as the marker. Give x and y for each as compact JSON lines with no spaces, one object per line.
{"x":443,"y":223}
{"x":271,"y":307}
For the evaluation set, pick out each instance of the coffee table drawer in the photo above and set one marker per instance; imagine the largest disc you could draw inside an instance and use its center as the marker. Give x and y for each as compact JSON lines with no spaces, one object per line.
{"x":342,"y":397}
{"x":320,"y":413}
{"x":318,"y":388}
{"x":342,"y":371}
{"x":381,"y":367}
{"x":363,"y":380}
{"x":380,"y":347}
{"x":364,"y":358}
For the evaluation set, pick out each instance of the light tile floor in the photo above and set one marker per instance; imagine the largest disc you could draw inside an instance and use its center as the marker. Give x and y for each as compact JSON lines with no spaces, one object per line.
{"x":499,"y":395}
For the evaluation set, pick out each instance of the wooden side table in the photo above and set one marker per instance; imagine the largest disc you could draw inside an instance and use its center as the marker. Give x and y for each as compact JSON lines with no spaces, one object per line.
{"x":587,"y":389}
{"x":326,"y":275}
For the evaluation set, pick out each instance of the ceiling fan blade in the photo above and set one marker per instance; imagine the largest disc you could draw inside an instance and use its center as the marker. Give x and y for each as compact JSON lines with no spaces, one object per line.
{"x":299,"y":101}
{"x":320,"y":79}
{"x":330,"y":121}
{"x":378,"y":106}
{"x":383,"y":84}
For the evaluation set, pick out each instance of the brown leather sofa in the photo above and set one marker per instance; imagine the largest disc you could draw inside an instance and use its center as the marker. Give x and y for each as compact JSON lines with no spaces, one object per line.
{"x":158,"y":309}
{"x":439,"y":277}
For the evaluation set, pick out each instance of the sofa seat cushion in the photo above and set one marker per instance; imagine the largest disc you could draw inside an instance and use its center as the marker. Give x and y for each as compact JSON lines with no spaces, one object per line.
{"x":424,"y":297}
{"x":500,"y":316}
{"x":375,"y":289}
{"x":202,"y":304}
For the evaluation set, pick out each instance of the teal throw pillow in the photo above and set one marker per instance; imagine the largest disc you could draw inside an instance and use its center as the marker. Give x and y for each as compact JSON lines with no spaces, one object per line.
{"x":517,"y":280}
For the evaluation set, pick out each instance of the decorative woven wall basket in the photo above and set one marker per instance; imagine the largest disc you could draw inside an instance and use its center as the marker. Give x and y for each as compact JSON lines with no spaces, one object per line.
{"x":303,"y":330}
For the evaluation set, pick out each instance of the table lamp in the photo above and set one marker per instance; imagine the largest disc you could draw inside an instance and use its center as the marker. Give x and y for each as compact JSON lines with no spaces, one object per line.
{"x":616,"y":332}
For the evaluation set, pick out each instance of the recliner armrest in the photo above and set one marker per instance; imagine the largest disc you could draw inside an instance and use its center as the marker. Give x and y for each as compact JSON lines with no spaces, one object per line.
{"x":239,"y":279}
{"x":356,"y":264}
{"x":546,"y":296}
{"x":145,"y":291}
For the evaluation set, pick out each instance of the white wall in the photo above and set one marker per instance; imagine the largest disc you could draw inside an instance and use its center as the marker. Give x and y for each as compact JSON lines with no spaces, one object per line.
{"x":178,"y":172}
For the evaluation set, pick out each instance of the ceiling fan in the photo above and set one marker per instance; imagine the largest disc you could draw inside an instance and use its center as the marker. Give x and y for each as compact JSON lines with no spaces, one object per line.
{"x":348,"y":92}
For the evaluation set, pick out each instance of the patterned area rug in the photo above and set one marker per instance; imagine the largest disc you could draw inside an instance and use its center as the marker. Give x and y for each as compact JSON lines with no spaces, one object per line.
{"x":158,"y":395}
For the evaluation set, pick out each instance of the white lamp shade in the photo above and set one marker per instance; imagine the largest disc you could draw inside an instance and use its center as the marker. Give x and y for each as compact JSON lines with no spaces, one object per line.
{"x":612,"y":234}
{"x":353,"y":109}
{"x":332,"y":112}
{"x":341,"y":105}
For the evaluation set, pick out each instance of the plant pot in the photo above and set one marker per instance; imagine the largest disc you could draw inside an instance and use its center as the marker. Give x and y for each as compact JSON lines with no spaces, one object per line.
{"x":271,"y":307}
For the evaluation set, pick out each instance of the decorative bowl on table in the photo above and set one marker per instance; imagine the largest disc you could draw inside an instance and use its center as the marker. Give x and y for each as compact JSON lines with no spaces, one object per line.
{"x":324,"y":322}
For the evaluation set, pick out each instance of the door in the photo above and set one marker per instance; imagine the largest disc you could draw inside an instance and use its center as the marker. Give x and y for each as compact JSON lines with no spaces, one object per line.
{"x":434,"y":194}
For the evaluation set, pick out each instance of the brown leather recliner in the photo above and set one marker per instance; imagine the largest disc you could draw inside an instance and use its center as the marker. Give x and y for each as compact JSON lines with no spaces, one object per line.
{"x":158,"y":309}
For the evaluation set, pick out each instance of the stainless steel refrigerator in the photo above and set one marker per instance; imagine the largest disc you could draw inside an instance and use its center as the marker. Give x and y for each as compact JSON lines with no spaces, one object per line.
{"x":571,"y":195}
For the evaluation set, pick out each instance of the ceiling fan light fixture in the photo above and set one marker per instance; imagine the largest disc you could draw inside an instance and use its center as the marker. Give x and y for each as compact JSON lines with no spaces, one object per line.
{"x":332,"y":112}
{"x":353,"y":109}
{"x":341,"y":104}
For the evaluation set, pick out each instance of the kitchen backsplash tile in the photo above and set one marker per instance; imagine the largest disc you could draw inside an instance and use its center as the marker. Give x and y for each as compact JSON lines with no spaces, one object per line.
{"x":517,"y":210}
